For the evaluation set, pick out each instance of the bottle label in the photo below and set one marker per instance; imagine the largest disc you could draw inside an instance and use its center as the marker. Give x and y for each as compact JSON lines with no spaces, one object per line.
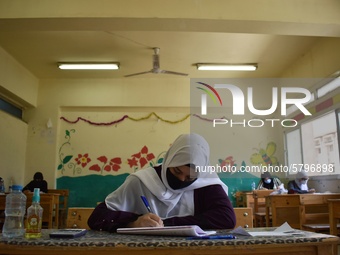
{"x":33,"y":224}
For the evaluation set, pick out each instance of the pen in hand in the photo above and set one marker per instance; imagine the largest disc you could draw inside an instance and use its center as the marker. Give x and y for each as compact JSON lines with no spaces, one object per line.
{"x":146,"y":203}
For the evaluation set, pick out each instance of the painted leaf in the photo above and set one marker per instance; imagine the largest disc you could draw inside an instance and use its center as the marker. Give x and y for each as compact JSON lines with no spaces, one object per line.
{"x":160,"y":161}
{"x":67,"y":159}
{"x":60,"y":166}
{"x":67,"y":133}
{"x":95,"y":168}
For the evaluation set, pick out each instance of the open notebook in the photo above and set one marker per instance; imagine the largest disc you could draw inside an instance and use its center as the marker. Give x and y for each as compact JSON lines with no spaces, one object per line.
{"x":190,"y":230}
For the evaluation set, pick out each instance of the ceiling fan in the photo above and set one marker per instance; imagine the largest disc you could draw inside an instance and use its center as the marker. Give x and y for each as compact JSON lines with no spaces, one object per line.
{"x":156,"y":67}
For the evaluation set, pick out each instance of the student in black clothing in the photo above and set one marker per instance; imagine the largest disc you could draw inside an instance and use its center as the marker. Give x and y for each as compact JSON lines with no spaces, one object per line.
{"x":37,"y":182}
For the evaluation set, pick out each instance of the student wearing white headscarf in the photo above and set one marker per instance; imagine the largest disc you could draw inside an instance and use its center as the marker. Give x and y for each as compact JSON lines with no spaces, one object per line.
{"x":299,"y":185}
{"x":177,"y":193}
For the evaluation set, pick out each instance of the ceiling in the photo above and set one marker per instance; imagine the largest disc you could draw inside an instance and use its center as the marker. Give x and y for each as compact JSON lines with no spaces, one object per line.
{"x":40,"y":51}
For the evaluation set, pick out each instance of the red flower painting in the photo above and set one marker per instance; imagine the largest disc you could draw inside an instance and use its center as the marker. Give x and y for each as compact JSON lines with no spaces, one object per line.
{"x":113,"y":164}
{"x":142,"y":157}
{"x":83,"y":160}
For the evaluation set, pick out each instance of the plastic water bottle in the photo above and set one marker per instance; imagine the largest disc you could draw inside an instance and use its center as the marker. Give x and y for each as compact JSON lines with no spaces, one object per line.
{"x":34,"y":216}
{"x":253,"y":185}
{"x":14,"y":212}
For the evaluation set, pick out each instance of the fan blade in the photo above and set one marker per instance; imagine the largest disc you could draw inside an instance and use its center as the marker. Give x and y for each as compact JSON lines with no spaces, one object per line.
{"x":171,"y":72}
{"x":129,"y":75}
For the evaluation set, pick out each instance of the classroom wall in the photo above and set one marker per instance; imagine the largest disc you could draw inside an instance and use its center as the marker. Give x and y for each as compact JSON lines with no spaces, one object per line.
{"x":20,"y":87}
{"x":16,"y":82}
{"x":13,"y":136}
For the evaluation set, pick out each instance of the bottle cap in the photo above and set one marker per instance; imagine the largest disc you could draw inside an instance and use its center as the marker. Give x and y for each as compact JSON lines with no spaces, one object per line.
{"x":36,"y":195}
{"x":16,"y":187}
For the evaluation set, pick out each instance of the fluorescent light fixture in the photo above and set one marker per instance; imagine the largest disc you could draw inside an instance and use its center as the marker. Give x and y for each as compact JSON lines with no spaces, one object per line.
{"x":88,"y":66}
{"x":329,"y":87}
{"x":227,"y":67}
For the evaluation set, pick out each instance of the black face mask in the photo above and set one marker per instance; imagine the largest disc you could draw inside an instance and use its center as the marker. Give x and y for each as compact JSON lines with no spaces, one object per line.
{"x":175,"y":183}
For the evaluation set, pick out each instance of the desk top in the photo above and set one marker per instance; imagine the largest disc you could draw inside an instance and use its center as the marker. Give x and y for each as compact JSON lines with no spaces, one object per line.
{"x":105,"y":239}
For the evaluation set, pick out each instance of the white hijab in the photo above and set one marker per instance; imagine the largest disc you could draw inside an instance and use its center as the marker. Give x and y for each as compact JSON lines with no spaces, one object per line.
{"x":166,"y":202}
{"x":299,"y":175}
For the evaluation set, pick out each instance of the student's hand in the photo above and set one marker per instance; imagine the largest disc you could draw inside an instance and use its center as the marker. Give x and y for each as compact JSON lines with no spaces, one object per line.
{"x":147,"y":220}
{"x":311,"y":191}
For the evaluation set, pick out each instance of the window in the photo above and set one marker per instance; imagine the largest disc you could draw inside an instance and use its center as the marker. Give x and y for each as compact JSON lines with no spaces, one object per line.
{"x":10,"y":108}
{"x":315,"y":145}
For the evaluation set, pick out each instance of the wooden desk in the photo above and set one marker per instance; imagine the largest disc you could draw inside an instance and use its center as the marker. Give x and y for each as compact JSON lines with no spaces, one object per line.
{"x":299,"y":209}
{"x":99,"y":243}
{"x":334,"y":215}
{"x":63,"y":204}
{"x":245,"y":199}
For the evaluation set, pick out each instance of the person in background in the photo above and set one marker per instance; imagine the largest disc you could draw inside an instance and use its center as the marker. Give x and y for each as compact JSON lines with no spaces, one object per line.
{"x":299,"y":185}
{"x":268,"y":182}
{"x":37,"y":182}
{"x":177,"y":193}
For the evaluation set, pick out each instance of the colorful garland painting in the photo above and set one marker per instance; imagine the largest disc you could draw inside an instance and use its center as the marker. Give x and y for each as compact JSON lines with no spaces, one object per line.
{"x":115,"y":122}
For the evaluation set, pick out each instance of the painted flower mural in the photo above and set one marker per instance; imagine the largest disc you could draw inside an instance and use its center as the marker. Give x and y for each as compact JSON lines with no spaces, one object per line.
{"x":112,"y":165}
{"x":83,"y":160}
{"x":141,"y":158}
{"x":228,"y":161}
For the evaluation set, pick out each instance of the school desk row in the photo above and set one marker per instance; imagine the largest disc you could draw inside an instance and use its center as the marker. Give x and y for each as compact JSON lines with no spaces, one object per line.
{"x":313,"y":212}
{"x":304,"y":211}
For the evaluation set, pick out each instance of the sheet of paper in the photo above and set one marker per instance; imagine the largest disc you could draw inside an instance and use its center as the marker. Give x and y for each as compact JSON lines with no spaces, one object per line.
{"x":240,"y":231}
{"x":284,"y":230}
{"x":190,"y":230}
